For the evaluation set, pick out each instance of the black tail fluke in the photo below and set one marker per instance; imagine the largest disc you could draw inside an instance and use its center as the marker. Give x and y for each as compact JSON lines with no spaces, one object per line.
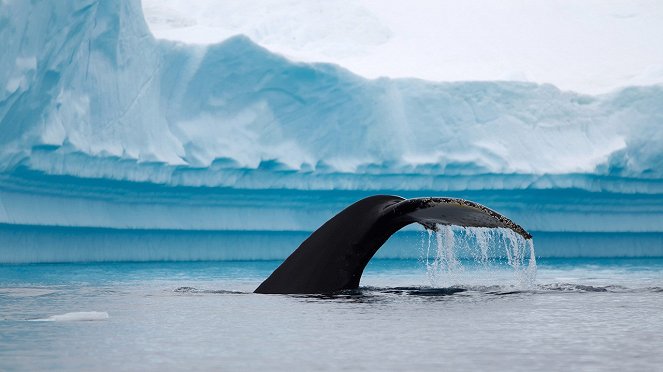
{"x":334,"y":257}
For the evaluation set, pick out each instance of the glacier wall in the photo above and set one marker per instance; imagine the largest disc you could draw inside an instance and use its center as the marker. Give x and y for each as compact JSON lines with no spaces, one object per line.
{"x":103,"y":126}
{"x":90,"y":93}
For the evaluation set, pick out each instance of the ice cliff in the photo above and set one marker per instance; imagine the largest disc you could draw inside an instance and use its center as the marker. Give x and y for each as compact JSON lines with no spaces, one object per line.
{"x":102,"y":125}
{"x":89,"y":92}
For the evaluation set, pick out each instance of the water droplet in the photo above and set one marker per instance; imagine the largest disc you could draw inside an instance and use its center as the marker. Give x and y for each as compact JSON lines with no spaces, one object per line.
{"x":471,"y":255}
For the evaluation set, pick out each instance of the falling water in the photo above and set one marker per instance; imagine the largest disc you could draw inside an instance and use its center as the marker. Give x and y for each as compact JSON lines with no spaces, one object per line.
{"x":455,"y":255}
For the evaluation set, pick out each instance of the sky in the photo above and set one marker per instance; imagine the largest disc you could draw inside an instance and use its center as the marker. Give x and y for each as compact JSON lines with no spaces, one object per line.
{"x":589,"y":46}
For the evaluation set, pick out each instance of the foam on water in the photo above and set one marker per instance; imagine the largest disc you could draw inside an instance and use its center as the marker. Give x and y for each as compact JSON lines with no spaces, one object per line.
{"x":496,"y":253}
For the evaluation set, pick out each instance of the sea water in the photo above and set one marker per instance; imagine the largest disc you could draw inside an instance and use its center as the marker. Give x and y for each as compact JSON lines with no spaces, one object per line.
{"x":443,"y":311}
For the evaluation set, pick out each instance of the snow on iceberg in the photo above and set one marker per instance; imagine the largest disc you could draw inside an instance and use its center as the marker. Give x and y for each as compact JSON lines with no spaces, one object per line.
{"x":90,"y":93}
{"x":605,"y":44}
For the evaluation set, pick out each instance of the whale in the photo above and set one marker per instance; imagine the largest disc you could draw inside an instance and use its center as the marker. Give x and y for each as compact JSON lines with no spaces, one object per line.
{"x":334,"y":256}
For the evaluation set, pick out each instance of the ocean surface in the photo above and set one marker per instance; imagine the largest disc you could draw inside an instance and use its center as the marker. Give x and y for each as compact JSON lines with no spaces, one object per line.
{"x":576,"y":314}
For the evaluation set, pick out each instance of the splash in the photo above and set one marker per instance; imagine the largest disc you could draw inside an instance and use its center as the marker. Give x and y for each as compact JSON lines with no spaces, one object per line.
{"x":459,"y":256}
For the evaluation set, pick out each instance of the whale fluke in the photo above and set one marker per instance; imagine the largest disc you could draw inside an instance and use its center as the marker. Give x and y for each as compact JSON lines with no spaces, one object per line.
{"x":333,"y":258}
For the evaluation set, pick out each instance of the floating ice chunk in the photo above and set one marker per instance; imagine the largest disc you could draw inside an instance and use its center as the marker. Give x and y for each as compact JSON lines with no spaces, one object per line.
{"x":76,"y":316}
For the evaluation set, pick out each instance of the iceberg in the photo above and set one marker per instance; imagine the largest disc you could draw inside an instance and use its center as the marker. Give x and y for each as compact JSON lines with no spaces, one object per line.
{"x":107,"y":131}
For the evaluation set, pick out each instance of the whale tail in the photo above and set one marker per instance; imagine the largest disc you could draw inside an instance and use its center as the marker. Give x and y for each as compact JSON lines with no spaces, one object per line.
{"x":334,"y":257}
